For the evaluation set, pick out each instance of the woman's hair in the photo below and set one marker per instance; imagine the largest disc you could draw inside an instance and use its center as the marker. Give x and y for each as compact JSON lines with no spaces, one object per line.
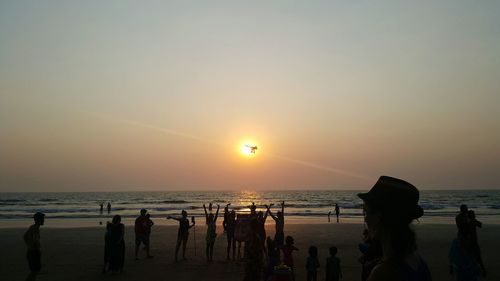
{"x":289,"y":240}
{"x":117,"y":219}
{"x":395,"y":222}
{"x":313,"y":251}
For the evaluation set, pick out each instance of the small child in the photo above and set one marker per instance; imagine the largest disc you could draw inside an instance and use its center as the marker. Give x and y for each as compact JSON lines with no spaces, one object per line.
{"x":312,"y":264}
{"x":287,"y":249}
{"x":333,"y":271}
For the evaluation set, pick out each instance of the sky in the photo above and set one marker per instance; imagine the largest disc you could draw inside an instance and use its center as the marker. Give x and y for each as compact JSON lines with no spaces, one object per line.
{"x":161,"y":95}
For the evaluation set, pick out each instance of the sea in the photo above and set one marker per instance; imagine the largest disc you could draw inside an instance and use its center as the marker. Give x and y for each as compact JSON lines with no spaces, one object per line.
{"x":73,"y":209}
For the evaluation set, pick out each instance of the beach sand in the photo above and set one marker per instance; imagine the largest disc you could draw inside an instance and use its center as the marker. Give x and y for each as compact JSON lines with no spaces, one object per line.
{"x":77,"y":253}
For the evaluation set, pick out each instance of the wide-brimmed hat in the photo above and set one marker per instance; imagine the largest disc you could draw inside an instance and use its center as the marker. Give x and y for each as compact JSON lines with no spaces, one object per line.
{"x":393,"y":194}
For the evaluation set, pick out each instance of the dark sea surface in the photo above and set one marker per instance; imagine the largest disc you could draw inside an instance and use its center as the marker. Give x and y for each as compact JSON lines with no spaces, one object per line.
{"x":305,"y":206}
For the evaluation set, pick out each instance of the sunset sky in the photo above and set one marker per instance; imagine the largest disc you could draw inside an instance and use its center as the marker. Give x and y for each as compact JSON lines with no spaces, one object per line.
{"x":161,"y":95}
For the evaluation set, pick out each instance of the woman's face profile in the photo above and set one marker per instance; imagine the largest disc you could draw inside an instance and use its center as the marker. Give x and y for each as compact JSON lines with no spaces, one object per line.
{"x":372,"y":220}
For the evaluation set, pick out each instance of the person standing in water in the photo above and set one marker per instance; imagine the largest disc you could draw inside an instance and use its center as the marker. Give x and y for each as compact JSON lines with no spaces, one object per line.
{"x":329,"y":214}
{"x":109,"y":207}
{"x":337,"y":211}
{"x":182,"y":233}
{"x":101,"y":209}
{"x":389,"y":207}
{"x":32,"y":240}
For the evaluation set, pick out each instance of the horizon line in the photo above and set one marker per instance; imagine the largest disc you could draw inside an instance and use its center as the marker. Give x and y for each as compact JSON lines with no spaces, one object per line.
{"x":247,"y":190}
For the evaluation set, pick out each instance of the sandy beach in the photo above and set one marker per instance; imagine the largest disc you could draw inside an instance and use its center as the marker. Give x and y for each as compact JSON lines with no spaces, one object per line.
{"x":76,"y":253}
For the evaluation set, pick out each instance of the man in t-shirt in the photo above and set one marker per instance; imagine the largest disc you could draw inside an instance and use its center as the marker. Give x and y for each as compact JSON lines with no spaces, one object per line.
{"x":142,"y":231}
{"x":32,"y":240}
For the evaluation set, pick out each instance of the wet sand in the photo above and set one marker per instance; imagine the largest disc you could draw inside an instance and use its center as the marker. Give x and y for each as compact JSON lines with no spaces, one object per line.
{"x":77,"y":253}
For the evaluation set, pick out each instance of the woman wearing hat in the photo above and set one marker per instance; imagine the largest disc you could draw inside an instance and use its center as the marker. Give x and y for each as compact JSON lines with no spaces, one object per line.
{"x":389,"y":207}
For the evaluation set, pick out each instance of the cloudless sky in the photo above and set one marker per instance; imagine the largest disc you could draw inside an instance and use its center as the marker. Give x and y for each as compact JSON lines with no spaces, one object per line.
{"x":160,"y":95}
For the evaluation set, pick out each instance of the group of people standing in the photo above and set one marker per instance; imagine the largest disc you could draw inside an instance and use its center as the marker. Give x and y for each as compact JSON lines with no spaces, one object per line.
{"x":101,"y":208}
{"x":389,"y":250}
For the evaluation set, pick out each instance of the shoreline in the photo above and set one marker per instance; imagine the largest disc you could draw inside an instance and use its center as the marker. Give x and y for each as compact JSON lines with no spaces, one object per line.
{"x":161,"y":221}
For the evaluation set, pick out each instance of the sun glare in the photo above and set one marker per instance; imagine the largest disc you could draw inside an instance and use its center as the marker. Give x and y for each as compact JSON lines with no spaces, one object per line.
{"x":248,"y":149}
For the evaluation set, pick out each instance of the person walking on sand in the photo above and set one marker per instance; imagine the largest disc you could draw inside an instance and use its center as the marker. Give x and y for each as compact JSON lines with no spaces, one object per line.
{"x":312,"y":264}
{"x":182,"y":233}
{"x":333,"y":270}
{"x":329,"y":214}
{"x":390,"y":206}
{"x":142,"y":232}
{"x":211,"y":221}
{"x":279,"y":219}
{"x":337,"y":211}
{"x":32,"y":240}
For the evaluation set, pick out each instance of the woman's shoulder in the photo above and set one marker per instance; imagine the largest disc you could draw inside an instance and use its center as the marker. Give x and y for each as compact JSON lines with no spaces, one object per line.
{"x":385,"y":271}
{"x":413,"y":266}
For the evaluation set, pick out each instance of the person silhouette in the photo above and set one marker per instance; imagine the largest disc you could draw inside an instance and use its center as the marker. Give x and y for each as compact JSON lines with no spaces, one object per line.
{"x":117,"y":244}
{"x":461,"y":220}
{"x":273,"y":257}
{"x":142,"y":232}
{"x":211,"y":221}
{"x":226,"y":215}
{"x":333,"y":269}
{"x":32,"y":240}
{"x":279,"y":219}
{"x":230,"y":226}
{"x":254,"y":254}
{"x":182,"y":233}
{"x":101,"y":209}
{"x":109,"y":207}
{"x":389,"y":207}
{"x":288,"y":249}
{"x":473,"y":224}
{"x":337,"y":212}
{"x":312,"y":264}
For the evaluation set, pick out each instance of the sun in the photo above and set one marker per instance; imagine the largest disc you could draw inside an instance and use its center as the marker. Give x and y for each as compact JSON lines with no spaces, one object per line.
{"x":248,"y":149}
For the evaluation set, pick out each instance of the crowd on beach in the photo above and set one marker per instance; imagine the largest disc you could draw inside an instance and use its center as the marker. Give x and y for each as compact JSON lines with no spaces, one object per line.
{"x":388,"y":250}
